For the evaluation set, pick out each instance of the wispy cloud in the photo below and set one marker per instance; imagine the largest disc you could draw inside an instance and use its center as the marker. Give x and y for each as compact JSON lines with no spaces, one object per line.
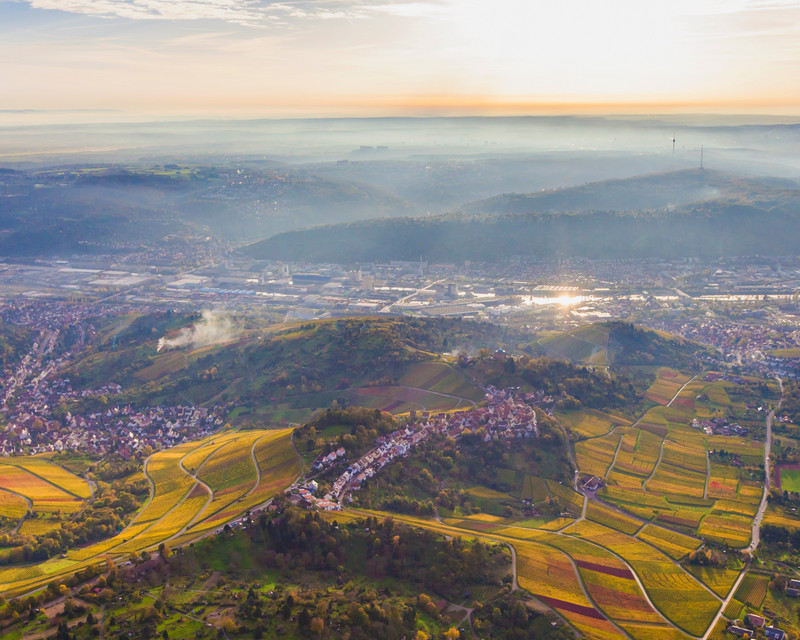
{"x":252,"y":13}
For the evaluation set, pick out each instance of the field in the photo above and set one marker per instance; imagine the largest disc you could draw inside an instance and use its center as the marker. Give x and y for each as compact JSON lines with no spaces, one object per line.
{"x":236,"y":471}
{"x":785,"y":353}
{"x":720,"y":580}
{"x":441,"y":378}
{"x":590,"y":423}
{"x":602,"y":514}
{"x":163,"y":364}
{"x":601,"y":557}
{"x":568,"y":498}
{"x":789,"y":480}
{"x":404,"y":399}
{"x":723,"y":482}
{"x":48,"y":487}
{"x":637,"y":455}
{"x":431,"y":386}
{"x":550,"y":576}
{"x":775,"y":516}
{"x":752,"y":590}
{"x":667,"y":384}
{"x":675,"y":593}
{"x":12,"y":506}
{"x":732,"y":530}
{"x":587,"y":345}
{"x":674,"y":544}
{"x":594,"y":456}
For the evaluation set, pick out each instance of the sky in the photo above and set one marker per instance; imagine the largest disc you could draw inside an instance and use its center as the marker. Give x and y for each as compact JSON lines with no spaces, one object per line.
{"x":251,"y":58}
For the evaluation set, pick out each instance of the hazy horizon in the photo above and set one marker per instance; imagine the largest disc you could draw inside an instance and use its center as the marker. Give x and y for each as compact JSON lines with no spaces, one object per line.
{"x":326,"y":58}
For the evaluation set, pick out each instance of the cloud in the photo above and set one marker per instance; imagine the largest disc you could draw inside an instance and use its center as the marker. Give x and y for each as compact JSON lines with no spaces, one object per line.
{"x":252,"y":13}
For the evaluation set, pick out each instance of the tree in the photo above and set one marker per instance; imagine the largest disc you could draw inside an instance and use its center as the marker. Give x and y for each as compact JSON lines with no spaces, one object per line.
{"x":452,"y":634}
{"x":317,"y":625}
{"x":303,"y":619}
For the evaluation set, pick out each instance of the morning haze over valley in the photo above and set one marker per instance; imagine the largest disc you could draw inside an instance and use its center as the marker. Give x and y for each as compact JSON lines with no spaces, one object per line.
{"x":399,"y":319}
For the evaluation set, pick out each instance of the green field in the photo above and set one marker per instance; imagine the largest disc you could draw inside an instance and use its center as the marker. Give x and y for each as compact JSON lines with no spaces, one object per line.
{"x":790,"y":480}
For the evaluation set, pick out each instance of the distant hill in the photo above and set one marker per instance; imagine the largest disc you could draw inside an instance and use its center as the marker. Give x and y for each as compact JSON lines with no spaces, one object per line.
{"x":90,"y":209}
{"x":639,"y":193}
{"x":622,"y":344}
{"x":762,"y":220}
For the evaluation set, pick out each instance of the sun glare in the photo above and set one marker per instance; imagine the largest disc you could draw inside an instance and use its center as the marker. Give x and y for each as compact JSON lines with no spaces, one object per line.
{"x":568,"y":301}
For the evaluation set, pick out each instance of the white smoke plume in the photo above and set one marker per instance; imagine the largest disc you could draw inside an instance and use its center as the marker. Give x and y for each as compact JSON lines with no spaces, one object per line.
{"x":214,"y":327}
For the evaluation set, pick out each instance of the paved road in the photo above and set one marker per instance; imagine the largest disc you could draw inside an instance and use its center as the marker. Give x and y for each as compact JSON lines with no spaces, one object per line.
{"x":514,"y":585}
{"x":658,"y":462}
{"x":685,"y":384}
{"x":388,"y":307}
{"x":725,"y":602}
{"x":616,"y":452}
{"x":763,"y":506}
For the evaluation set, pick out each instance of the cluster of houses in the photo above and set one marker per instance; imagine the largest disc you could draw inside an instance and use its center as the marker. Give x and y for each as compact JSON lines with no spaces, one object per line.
{"x":124,"y":430}
{"x":326,"y":460}
{"x":506,"y":416}
{"x":303,"y":495}
{"x":752,"y":622}
{"x":747,"y":343}
{"x":719,"y":427}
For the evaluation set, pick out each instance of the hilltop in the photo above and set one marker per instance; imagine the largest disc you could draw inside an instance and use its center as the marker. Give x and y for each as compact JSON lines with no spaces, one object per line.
{"x":621,"y":344}
{"x":284,"y":372}
{"x":638,"y":193}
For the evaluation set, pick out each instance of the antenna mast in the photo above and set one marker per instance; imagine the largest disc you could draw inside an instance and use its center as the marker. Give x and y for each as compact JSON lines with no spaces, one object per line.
{"x":673,"y":143}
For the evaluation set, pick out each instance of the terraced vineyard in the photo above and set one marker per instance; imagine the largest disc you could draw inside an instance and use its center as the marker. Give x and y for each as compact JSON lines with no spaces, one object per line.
{"x":36,"y":484}
{"x":228,"y":474}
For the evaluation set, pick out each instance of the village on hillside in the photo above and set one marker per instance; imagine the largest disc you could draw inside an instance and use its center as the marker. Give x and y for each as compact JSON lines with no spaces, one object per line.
{"x":508,"y":414}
